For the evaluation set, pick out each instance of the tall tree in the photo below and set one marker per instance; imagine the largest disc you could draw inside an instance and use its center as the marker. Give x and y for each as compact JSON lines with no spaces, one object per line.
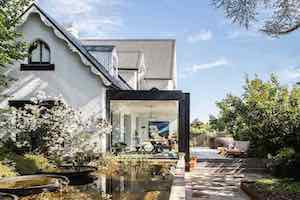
{"x":12,"y":47}
{"x":267,"y":114}
{"x":279,"y":17}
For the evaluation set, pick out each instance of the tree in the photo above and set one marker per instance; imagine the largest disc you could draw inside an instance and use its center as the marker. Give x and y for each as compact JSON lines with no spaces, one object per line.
{"x":199,"y":127}
{"x":279,"y":17}
{"x":267,"y":114}
{"x":216,"y":124}
{"x":12,"y":47}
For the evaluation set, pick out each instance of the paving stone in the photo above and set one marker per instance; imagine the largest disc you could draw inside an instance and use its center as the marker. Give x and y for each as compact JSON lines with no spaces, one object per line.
{"x":210,"y":185}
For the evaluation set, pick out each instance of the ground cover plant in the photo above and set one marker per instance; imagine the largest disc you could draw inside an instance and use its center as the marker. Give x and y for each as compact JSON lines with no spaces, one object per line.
{"x":279,"y":185}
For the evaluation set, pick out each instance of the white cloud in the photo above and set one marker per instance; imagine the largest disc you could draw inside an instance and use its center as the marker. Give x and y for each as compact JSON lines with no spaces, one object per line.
{"x":91,"y":17}
{"x":290,"y":74}
{"x":242,"y":33}
{"x":217,"y":63}
{"x":187,"y":71}
{"x":203,"y":35}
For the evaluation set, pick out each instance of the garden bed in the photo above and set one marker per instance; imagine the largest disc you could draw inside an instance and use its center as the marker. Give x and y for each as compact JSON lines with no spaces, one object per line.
{"x":272,"y":189}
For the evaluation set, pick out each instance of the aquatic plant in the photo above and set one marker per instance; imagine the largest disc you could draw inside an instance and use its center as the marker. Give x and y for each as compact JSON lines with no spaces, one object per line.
{"x":31,"y":164}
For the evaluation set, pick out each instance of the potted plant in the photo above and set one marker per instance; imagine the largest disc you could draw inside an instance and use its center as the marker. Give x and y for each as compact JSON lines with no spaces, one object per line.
{"x":193,"y":162}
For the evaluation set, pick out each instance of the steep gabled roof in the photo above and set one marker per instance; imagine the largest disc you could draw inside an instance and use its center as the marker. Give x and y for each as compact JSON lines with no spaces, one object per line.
{"x":83,"y":52}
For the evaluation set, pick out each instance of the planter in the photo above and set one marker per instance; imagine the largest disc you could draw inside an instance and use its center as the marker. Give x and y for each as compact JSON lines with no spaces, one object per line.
{"x":248,"y":190}
{"x":193,"y":162}
{"x":257,"y":193}
{"x":5,"y":196}
{"x":34,"y":184}
{"x":77,"y":175}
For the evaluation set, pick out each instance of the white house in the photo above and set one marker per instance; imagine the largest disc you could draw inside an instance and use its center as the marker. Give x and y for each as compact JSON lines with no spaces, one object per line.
{"x":130,"y":82}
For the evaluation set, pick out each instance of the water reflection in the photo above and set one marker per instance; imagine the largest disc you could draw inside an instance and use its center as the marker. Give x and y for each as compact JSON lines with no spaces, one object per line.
{"x":154,"y":187}
{"x":142,"y":181}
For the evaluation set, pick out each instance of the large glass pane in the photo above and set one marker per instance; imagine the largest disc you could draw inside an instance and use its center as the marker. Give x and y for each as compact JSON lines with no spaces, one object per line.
{"x":146,"y":126}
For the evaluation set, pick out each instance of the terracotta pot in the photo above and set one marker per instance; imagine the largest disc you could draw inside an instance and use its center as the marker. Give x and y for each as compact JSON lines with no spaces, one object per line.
{"x":193,"y":162}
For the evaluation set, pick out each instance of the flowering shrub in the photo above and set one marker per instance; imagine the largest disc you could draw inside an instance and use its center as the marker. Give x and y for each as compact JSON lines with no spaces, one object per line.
{"x":55,"y":130}
{"x":6,"y":171}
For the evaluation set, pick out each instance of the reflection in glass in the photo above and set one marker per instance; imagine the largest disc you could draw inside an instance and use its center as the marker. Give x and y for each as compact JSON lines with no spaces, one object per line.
{"x":145,"y":126}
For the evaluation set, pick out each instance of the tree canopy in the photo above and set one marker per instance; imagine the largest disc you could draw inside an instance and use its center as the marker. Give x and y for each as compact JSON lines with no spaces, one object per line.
{"x":12,"y":47}
{"x":199,"y":127}
{"x":278,"y":17}
{"x":267,"y":114}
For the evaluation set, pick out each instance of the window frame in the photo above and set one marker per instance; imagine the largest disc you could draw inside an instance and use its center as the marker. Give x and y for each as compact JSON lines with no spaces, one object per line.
{"x":42,"y":46}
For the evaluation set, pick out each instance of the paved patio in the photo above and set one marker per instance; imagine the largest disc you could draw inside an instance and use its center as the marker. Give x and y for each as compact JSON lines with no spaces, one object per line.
{"x":217,"y":180}
{"x":205,"y":153}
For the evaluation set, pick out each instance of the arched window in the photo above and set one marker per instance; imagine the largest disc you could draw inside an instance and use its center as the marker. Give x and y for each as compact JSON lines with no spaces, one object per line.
{"x":39,"y":53}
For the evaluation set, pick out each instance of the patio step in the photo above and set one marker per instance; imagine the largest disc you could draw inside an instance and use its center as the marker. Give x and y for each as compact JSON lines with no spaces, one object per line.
{"x":231,"y":170}
{"x":234,"y":162}
{"x":232,"y":165}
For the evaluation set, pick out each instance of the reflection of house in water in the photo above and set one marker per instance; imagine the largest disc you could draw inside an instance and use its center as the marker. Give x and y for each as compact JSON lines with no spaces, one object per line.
{"x":129,"y":187}
{"x":132,"y":82}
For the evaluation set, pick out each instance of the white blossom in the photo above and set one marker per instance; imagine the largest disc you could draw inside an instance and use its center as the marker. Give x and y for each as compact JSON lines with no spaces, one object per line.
{"x":62,"y":129}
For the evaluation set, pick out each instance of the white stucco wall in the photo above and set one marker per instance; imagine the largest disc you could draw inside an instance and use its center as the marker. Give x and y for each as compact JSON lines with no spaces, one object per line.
{"x":131,"y":76}
{"x":71,"y":78}
{"x":159,"y":84}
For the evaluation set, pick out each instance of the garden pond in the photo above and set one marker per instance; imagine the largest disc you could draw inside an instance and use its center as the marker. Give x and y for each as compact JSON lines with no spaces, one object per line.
{"x":118,"y":182}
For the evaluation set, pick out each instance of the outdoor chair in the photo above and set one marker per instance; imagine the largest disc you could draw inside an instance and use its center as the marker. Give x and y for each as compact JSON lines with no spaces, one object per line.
{"x":240,"y":149}
{"x":157,"y":147}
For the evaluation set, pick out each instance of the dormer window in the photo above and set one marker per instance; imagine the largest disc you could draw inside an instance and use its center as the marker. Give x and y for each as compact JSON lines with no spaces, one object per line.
{"x":39,"y":57}
{"x":39,"y":52}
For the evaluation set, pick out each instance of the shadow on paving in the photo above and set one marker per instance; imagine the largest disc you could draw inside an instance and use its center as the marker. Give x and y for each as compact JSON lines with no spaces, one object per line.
{"x":216,"y":178}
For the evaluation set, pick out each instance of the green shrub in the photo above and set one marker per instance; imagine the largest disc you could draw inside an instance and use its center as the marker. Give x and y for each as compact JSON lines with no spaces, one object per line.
{"x":6,"y":171}
{"x":286,"y":163}
{"x":279,"y":185}
{"x":31,"y":164}
{"x":285,"y":154}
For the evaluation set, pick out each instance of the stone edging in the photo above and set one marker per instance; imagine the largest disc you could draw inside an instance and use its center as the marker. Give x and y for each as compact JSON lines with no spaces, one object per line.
{"x":248,"y":191}
{"x":178,"y":186}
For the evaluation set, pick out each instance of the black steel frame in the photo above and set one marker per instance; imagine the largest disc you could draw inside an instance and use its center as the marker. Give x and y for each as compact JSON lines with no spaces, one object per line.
{"x":160,"y":95}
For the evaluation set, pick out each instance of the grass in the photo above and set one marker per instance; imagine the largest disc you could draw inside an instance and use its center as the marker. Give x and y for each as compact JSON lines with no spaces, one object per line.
{"x":279,"y":185}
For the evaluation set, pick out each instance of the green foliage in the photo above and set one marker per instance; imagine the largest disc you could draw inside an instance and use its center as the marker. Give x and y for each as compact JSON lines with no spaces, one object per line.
{"x":286,"y":163}
{"x":285,"y":154}
{"x":279,"y":185}
{"x":6,"y":171}
{"x":198,"y":127}
{"x":31,"y":164}
{"x":217,"y":124}
{"x":12,"y":47}
{"x":267,"y":114}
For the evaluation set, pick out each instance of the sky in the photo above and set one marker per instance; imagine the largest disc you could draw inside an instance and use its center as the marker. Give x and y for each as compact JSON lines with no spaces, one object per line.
{"x":213,"y":55}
